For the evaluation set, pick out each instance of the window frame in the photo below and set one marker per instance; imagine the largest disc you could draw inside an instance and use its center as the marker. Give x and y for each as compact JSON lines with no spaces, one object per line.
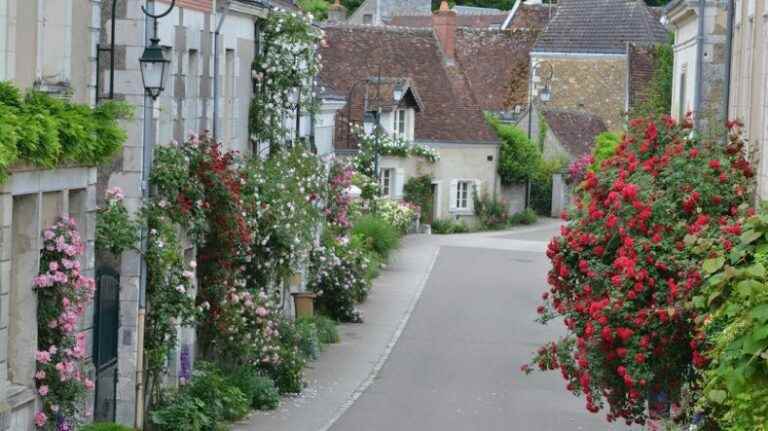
{"x":401,"y":123}
{"x":462,"y":196}
{"x":386,"y":177}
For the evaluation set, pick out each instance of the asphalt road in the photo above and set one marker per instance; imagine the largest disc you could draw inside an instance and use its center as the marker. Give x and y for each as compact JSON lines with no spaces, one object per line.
{"x":456,"y":366}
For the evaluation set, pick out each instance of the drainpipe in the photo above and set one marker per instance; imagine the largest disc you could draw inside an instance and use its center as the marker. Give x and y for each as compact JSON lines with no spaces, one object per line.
{"x":728,"y":62}
{"x":148,"y":140}
{"x":216,"y":68}
{"x":699,"y":68}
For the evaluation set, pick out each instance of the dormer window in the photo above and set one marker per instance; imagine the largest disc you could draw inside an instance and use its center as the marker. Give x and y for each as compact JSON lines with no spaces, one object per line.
{"x":401,"y":122}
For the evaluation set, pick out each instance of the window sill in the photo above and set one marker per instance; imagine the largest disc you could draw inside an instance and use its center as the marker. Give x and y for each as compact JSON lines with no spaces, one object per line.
{"x":460,"y":212}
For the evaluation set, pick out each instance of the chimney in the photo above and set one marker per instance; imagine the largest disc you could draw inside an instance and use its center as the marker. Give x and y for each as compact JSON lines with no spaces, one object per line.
{"x":444,"y":25}
{"x":337,"y":12}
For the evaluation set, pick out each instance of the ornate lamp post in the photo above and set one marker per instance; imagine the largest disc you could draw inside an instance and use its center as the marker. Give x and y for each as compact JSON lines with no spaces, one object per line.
{"x":153,"y":62}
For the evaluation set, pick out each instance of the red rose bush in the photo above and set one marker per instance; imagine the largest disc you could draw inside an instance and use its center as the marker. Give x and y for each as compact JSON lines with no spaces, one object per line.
{"x":622,"y":274}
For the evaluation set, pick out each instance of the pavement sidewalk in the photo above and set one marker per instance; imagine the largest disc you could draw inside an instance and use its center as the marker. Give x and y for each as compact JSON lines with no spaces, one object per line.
{"x":345,"y":369}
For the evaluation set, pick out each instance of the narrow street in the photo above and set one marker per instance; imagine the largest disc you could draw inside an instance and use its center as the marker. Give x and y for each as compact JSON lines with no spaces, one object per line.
{"x":456,"y":365}
{"x":452,"y":361}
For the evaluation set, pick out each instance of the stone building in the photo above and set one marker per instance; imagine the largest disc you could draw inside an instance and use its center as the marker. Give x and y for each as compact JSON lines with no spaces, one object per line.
{"x":458,"y":73}
{"x":37,"y":51}
{"x":715,"y":83}
{"x":583,"y":55}
{"x":378,"y":12}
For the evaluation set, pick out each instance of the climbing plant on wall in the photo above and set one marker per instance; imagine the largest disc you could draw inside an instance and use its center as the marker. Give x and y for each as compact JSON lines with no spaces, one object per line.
{"x":283,"y":74}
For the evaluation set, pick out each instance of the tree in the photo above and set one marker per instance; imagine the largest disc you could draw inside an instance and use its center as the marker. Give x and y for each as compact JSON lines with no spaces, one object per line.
{"x":519,"y":159}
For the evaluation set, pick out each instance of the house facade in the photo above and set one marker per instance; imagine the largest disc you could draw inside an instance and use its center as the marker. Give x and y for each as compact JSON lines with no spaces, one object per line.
{"x":582,"y":57}
{"x":732,"y":61}
{"x":457,"y":74}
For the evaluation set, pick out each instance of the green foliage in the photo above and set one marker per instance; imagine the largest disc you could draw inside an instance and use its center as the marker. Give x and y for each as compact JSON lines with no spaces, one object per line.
{"x":736,"y":296}
{"x":492,"y":212}
{"x":519,"y":158}
{"x":525,"y":217}
{"x":659,"y":92}
{"x":447,"y":227}
{"x":258,"y":388}
{"x":318,"y":8}
{"x":115,"y":231}
{"x":418,"y":191}
{"x":222,"y":399}
{"x":327,"y":329}
{"x":606,"y":144}
{"x":288,"y":373}
{"x":309,"y":340}
{"x":379,"y":235}
{"x":105,"y":426}
{"x":46,"y":131}
{"x":181,"y":412}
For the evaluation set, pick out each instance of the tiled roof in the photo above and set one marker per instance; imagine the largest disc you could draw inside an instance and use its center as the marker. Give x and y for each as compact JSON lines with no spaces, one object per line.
{"x":575,"y":130}
{"x":425,"y":21}
{"x":355,"y":53}
{"x":381,"y":93}
{"x":600,"y":26}
{"x":641,"y":64}
{"x":495,"y":63}
{"x":532,"y":17}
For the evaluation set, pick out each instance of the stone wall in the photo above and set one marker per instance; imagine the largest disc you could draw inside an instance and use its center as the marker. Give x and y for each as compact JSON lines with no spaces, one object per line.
{"x":30,"y":201}
{"x":596,"y":84}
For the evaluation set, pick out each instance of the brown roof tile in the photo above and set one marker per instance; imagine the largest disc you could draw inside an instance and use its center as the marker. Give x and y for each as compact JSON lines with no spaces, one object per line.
{"x":356,"y":53}
{"x":532,"y":17}
{"x":575,"y":130}
{"x":600,"y":26}
{"x":496,"y":63}
{"x":425,"y":21}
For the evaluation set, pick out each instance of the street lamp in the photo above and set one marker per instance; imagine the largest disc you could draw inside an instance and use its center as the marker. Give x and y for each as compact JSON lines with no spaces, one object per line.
{"x":153,"y":66}
{"x":153,"y":62}
{"x":545,"y":95}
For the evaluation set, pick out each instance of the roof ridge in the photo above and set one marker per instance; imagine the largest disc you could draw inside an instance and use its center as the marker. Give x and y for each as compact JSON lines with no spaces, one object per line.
{"x":392,"y":28}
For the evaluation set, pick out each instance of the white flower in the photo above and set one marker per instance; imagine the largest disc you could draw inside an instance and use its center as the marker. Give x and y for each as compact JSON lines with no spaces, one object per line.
{"x":181,"y":289}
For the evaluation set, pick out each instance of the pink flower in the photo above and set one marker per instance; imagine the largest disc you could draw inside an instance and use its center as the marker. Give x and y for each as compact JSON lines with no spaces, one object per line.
{"x":48,"y":234}
{"x":89,"y":385}
{"x":40,"y":375}
{"x":53,"y":266}
{"x":261,"y":312}
{"x":43,"y":390}
{"x":40,"y":419}
{"x":43,"y":357}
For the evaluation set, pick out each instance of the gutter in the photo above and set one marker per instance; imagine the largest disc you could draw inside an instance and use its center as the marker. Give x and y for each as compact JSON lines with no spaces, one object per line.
{"x":728,"y":61}
{"x":216,"y":67}
{"x":699,"y":68}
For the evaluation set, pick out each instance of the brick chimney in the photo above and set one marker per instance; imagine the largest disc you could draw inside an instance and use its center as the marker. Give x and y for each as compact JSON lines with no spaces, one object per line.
{"x":444,"y":25}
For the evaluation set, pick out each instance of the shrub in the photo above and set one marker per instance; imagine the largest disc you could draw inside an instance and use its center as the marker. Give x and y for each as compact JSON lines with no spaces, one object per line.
{"x":518,"y":156}
{"x":181,"y":412}
{"x":105,"y":426}
{"x":338,"y":274}
{"x":309,"y":340}
{"x":447,"y":226}
{"x":378,"y":234}
{"x":259,"y":389}
{"x":606,"y":144}
{"x":526,"y":217}
{"x":418,"y":191}
{"x":734,"y":335}
{"x":541,"y":185}
{"x":492,"y":212}
{"x":288,"y":372}
{"x":221,"y":398}
{"x":626,"y":267}
{"x":327,"y":330}
{"x":398,"y":214}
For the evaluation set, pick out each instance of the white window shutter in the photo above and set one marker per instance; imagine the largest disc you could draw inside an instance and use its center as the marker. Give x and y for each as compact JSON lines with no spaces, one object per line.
{"x":399,"y":182}
{"x":452,"y":195}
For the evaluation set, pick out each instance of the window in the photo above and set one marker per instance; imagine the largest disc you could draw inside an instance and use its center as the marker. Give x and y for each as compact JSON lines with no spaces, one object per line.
{"x":681,"y":109}
{"x":462,"y":194}
{"x":385,"y":181}
{"x":367,"y":19}
{"x":400,"y":122}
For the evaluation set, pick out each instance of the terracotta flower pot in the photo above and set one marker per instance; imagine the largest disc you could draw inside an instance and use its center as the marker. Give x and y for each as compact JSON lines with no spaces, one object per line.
{"x":304,"y":303}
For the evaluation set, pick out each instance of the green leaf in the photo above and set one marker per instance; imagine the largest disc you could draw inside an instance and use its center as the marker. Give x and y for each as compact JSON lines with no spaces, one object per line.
{"x":760,"y":312}
{"x":713,"y":265}
{"x":750,"y":236}
{"x":754,"y":343}
{"x":717,"y":395}
{"x":699,"y":302}
{"x":747,"y":287}
{"x":757,"y":271}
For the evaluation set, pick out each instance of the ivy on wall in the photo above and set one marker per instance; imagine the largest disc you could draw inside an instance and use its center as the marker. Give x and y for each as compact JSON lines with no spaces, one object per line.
{"x":45,"y":131}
